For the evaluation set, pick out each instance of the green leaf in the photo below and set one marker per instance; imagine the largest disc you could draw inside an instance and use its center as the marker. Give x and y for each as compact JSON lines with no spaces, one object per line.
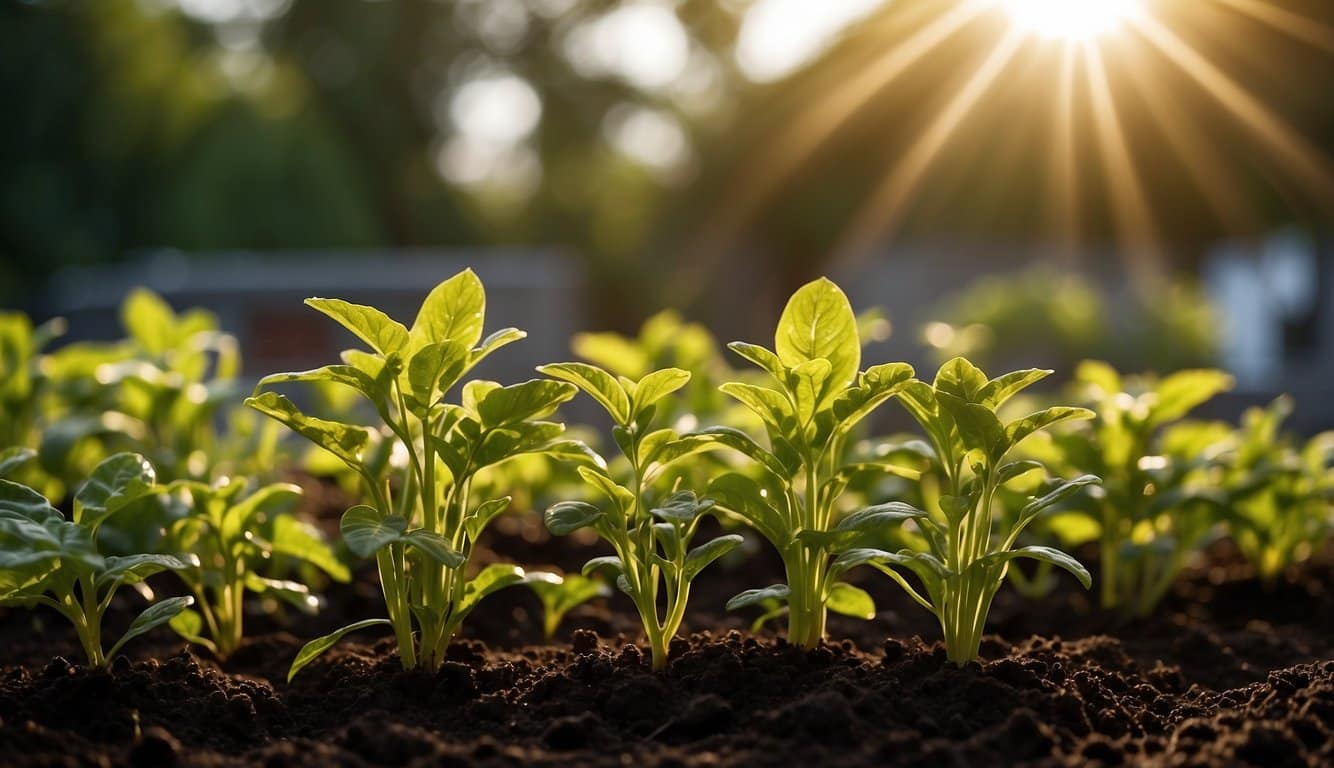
{"x":699,"y":558}
{"x":1047,"y":555}
{"x":657,"y":385}
{"x":851,"y":601}
{"x":433,"y":545}
{"x":312,"y":650}
{"x":681,"y":507}
{"x":962,"y":379}
{"x":770,"y":405}
{"x":133,"y":569}
{"x":13,"y":458}
{"x":190,"y":626}
{"x":1177,"y":394}
{"x":149,"y":320}
{"x":1058,"y":493}
{"x":374,"y":387}
{"x":879,"y":515}
{"x":1014,"y":469}
{"x":302,"y":541}
{"x":20,"y":501}
{"x":854,"y":558}
{"x":345,"y":441}
{"x":818,"y":323}
{"x":365,"y":531}
{"x":620,"y":496}
{"x":759,"y":596}
{"x":491,"y":579}
{"x":761,"y":357}
{"x":531,"y":399}
{"x":753,"y":503}
{"x":599,"y":385}
{"x":1002,"y":388}
{"x":1019,"y":429}
{"x":978,"y":426}
{"x":487,"y":511}
{"x":500,"y":338}
{"x":606,"y":562}
{"x":454,"y":311}
{"x":809,"y":382}
{"x":433,"y":369}
{"x":560,"y":594}
{"x":746,"y":445}
{"x":566,"y":517}
{"x":117,"y":481}
{"x":155,"y":615}
{"x":382,"y":333}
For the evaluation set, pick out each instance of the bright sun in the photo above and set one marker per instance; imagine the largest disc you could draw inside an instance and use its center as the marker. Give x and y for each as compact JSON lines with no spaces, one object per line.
{"x":1073,"y":20}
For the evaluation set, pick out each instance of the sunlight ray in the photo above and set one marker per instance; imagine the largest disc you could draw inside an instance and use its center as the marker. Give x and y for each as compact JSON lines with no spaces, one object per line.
{"x":1064,"y":185}
{"x":1299,"y":157}
{"x":819,"y":121}
{"x":1134,"y":221}
{"x":1294,"y":24}
{"x":882,"y":211}
{"x":1192,"y":145}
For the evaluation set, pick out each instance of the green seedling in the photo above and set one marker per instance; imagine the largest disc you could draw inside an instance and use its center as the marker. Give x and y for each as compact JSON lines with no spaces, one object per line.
{"x":1280,"y":493}
{"x":49,"y":561}
{"x":970,"y":546}
{"x":1162,"y":498}
{"x":561,"y":594}
{"x":797,"y":501}
{"x":417,"y":466}
{"x":650,"y":532}
{"x":234,"y":537}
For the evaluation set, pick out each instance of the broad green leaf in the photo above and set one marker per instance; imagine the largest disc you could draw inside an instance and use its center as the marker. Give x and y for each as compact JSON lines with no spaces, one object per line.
{"x":746,"y":498}
{"x":20,"y":501}
{"x":818,"y":323}
{"x":770,"y":405}
{"x":876,"y":385}
{"x":366,"y":531}
{"x":599,"y":385}
{"x":606,"y":562}
{"x":312,"y":650}
{"x":1047,"y":555}
{"x":759,"y":596}
{"x":762,"y":357}
{"x":155,"y":615}
{"x":531,"y":399}
{"x":851,"y":601}
{"x":483,"y":515}
{"x":746,"y":445}
{"x":302,"y":541}
{"x":1002,"y":388}
{"x":345,"y":441}
{"x":434,"y":368}
{"x":271,"y":501}
{"x":491,"y":579}
{"x":978,"y":426}
{"x":133,"y":569}
{"x":657,"y":385}
{"x":1019,"y":429}
{"x":1062,"y":491}
{"x":664,"y":454}
{"x":622,"y":497}
{"x":373,"y":387}
{"x":566,"y":517}
{"x":879,"y":515}
{"x":454,"y":311}
{"x":149,"y":320}
{"x":809,"y":382}
{"x":13,"y":458}
{"x":189,"y":624}
{"x":382,"y":333}
{"x":682,"y":507}
{"x":1182,"y":391}
{"x":962,"y":379}
{"x":113,"y":484}
{"x":1014,"y":469}
{"x":699,"y":558}
{"x":433,"y":545}
{"x":559,"y":595}
{"x":491,"y":343}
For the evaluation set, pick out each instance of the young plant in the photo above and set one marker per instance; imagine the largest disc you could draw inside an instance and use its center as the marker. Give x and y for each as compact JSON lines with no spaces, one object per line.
{"x":233,"y":536}
{"x":1162,"y":497}
{"x":650,"y":532}
{"x":422,"y":520}
{"x":797,"y":502}
{"x":968,"y":553}
{"x":1281,"y":494}
{"x":49,"y":561}
{"x":561,"y":594}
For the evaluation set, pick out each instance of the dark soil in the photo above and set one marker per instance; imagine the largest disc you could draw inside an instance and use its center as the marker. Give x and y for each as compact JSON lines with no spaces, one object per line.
{"x":1225,"y":674}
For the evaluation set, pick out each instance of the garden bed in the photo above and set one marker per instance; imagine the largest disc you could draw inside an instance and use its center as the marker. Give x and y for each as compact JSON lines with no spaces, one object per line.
{"x":1225,"y":673}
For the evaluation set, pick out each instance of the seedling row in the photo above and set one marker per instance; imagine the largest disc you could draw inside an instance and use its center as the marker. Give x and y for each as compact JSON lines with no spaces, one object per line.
{"x":134,"y":466}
